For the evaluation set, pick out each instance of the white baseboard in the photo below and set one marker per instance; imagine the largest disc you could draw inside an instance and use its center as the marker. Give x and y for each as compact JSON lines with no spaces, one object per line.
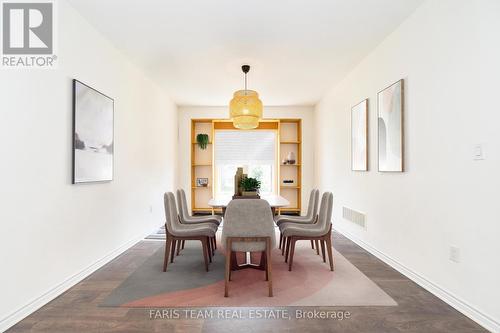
{"x":37,"y":303}
{"x":446,"y":296}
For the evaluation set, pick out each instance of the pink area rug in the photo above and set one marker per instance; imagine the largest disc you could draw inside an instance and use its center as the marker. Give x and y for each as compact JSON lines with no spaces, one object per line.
{"x":186,"y":284}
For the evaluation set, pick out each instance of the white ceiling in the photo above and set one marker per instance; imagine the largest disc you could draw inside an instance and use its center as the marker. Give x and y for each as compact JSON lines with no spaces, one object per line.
{"x":298,"y":49}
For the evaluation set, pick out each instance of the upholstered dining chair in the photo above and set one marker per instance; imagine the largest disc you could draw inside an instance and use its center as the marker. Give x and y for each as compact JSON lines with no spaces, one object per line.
{"x":321,"y":231}
{"x":309,"y":218}
{"x":177,"y":232}
{"x":185,"y":218}
{"x":189,"y":219}
{"x":248,"y":227}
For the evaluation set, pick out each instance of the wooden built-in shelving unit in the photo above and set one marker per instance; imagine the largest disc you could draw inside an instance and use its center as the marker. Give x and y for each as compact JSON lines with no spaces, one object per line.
{"x":289,"y":134}
{"x":201,"y":165}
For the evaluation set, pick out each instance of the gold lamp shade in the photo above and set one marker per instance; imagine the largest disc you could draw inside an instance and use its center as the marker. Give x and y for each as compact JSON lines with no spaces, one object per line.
{"x":245,"y":109}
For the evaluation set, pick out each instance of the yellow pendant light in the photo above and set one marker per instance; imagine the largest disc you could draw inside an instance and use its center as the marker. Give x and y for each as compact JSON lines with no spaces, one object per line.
{"x":245,"y":109}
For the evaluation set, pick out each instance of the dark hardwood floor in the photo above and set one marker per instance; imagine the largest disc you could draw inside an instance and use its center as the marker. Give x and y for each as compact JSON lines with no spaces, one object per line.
{"x":77,"y":309}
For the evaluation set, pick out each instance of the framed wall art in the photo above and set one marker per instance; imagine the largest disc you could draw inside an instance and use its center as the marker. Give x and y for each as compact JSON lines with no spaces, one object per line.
{"x":359,"y":136}
{"x":390,"y":128}
{"x":93,"y":135}
{"x":201,"y":182}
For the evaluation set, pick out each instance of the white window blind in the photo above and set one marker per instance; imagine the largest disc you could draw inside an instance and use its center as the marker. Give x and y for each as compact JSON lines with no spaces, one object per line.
{"x":255,"y":151}
{"x":245,"y":146}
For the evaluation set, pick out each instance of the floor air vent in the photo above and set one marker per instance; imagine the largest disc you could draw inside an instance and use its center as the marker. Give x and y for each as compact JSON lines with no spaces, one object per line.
{"x":354,"y":216}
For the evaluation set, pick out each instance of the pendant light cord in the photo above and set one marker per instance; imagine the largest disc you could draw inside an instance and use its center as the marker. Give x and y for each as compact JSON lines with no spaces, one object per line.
{"x":245,"y":83}
{"x":245,"y":69}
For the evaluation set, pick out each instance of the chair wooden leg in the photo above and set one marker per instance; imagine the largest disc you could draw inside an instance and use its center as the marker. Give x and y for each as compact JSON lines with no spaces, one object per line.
{"x":234,"y":261}
{"x":281,"y":240}
{"x":287,"y":252}
{"x":292,"y":251}
{"x":269,"y":267}
{"x":213,"y":246}
{"x":267,"y":272}
{"x":209,"y":249}
{"x":283,"y":248}
{"x":228,"y":268}
{"x":183,"y":241}
{"x":263,"y":262}
{"x":215,"y":242}
{"x":322,"y":241}
{"x":204,"y":247}
{"x":172,"y":253}
{"x":178,"y":247}
{"x":329,"y":248}
{"x":167,"y":252}
{"x":317,"y":246}
{"x":312,"y":244}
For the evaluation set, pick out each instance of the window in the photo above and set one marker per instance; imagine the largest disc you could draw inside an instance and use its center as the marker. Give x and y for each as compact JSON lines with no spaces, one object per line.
{"x":255,"y":151}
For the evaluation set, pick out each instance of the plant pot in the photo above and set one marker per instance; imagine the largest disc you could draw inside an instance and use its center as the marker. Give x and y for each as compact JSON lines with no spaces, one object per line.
{"x":249,"y":193}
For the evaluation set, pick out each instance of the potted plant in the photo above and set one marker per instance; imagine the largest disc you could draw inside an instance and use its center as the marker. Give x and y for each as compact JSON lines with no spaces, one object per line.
{"x":250,"y":186}
{"x":202,"y":140}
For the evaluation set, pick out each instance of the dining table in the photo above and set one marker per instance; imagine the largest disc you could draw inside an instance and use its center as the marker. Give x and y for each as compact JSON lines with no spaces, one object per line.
{"x":275,"y":201}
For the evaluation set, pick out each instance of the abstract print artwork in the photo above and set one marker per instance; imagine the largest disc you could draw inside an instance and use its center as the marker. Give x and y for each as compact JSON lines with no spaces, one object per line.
{"x":390,"y":128}
{"x":359,"y":136}
{"x":92,"y":135}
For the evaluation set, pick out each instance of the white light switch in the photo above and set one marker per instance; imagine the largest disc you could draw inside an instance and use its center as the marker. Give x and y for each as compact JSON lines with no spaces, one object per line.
{"x":478,"y":153}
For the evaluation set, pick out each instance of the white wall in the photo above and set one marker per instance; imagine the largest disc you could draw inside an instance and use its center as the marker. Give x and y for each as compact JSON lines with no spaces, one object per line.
{"x":186,"y":113}
{"x":51,"y":230}
{"x":445,"y":198}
